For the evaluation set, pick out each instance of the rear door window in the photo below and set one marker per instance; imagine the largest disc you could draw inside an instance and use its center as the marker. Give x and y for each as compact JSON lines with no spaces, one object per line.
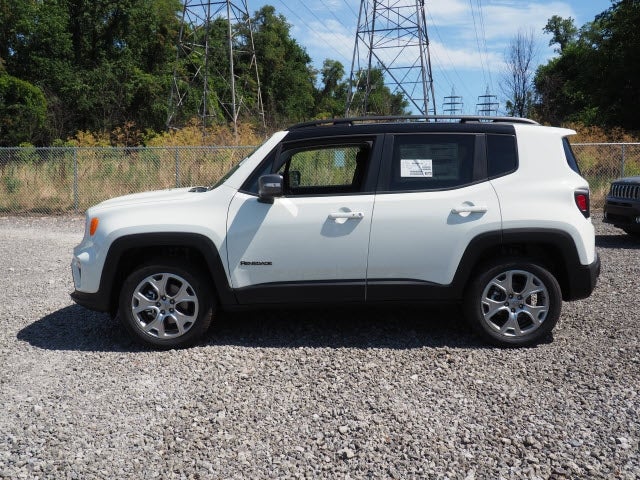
{"x":432,"y":161}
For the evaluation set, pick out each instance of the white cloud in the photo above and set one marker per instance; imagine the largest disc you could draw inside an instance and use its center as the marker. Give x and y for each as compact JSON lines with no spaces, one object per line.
{"x":330,"y":40}
{"x":500,"y":18}
{"x":458,"y":56}
{"x":451,"y":57}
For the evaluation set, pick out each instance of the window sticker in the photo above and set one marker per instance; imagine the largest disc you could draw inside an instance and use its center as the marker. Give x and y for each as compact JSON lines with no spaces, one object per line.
{"x":416,"y":167}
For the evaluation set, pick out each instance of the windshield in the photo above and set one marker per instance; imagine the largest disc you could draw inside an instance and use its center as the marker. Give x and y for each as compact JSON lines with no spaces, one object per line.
{"x":230,"y":172}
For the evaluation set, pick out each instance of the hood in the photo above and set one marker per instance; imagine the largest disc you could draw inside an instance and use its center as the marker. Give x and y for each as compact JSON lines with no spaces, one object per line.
{"x":634,"y":180}
{"x":158,"y":196}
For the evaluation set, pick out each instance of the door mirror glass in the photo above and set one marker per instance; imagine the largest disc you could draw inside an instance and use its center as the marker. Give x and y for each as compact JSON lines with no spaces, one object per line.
{"x":269,"y":187}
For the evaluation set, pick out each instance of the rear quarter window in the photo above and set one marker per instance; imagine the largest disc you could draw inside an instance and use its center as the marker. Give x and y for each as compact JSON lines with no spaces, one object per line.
{"x":502,"y":155}
{"x":571,"y":158}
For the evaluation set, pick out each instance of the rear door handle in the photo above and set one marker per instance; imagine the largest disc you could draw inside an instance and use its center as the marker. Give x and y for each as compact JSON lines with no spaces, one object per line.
{"x":347,"y":215}
{"x":470,"y":209}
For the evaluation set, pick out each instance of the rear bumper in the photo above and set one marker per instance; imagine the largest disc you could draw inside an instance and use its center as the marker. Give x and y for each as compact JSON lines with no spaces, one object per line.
{"x":583,"y":281}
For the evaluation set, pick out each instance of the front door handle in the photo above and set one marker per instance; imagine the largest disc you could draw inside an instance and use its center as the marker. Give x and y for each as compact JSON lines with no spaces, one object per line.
{"x":470,"y":209}
{"x":347,"y":215}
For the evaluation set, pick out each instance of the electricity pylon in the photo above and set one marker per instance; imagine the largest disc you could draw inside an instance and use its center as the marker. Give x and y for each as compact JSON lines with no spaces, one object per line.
{"x":453,"y":104}
{"x":392,"y":36}
{"x":201,"y":40}
{"x":487,"y":104}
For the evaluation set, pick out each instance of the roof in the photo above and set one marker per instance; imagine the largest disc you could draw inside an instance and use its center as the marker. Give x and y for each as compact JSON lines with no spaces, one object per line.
{"x":407,"y":124}
{"x":411,"y":119}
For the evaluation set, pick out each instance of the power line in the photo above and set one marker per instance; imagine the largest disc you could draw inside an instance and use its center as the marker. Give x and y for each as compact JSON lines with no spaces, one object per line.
{"x":355,"y":14}
{"x":462,"y":82}
{"x":484,"y":41}
{"x":282,"y":2}
{"x":333,"y":14}
{"x":475,"y":28}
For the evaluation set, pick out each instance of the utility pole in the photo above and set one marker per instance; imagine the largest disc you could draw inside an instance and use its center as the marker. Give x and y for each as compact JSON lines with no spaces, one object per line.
{"x":391,"y":36}
{"x":195,"y":74}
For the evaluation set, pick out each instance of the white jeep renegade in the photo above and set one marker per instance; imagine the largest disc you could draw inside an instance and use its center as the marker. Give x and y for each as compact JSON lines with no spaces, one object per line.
{"x":490,"y":212}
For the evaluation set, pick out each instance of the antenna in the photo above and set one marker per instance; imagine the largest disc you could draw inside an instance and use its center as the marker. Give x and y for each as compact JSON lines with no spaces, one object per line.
{"x":487,"y":104}
{"x":453,"y":104}
{"x":391,"y":36}
{"x":216,"y":72}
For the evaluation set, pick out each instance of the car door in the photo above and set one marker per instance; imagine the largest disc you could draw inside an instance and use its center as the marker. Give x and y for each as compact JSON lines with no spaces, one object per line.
{"x":433,"y":199}
{"x":311,"y":244}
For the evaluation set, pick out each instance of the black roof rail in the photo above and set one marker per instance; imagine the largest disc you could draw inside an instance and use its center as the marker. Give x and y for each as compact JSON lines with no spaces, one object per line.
{"x":410,"y":118}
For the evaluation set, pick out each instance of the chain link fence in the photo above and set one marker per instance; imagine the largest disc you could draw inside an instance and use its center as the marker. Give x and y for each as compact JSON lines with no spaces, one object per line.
{"x":61,"y":180}
{"x":69,"y":180}
{"x":600,"y":163}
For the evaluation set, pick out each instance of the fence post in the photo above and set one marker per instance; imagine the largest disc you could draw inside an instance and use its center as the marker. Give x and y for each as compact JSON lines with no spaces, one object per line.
{"x":76,"y":196}
{"x":622,"y":165}
{"x":177,"y":155}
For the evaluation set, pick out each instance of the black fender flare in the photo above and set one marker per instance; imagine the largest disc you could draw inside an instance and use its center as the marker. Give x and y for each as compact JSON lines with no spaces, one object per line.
{"x":104,"y":298}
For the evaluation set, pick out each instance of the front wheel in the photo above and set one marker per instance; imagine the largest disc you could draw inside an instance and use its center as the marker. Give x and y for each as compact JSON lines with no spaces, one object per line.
{"x":165,"y":305}
{"x":513,"y":303}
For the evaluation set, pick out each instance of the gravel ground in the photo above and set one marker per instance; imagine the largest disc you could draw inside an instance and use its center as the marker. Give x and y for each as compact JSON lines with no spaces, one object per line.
{"x":380,"y":394}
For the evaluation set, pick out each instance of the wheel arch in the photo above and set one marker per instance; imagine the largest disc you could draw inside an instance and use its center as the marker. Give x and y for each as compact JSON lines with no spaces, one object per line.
{"x":130,"y":251}
{"x":552,"y":249}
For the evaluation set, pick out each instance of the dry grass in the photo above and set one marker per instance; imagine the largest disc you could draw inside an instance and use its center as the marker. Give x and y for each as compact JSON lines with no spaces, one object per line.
{"x":42,"y":180}
{"x":46,"y":184}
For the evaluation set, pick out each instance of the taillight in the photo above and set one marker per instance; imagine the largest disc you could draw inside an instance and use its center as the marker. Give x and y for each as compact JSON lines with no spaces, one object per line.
{"x":582,"y":202}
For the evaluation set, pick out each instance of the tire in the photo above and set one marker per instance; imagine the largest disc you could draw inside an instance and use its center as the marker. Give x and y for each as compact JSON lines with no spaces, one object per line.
{"x":513,"y":303}
{"x":166,"y":305}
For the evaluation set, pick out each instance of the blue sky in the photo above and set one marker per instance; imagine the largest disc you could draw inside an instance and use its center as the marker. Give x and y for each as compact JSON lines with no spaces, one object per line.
{"x":463,"y":57}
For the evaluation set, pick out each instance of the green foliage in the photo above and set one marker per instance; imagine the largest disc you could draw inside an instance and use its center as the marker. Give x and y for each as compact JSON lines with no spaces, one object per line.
{"x":22,"y":111}
{"x":27,"y":154}
{"x":105,"y":69}
{"x":101,"y":63}
{"x":562,"y":29}
{"x":11,"y":183}
{"x":284,"y":68}
{"x":596,"y":77}
{"x":379,"y":100}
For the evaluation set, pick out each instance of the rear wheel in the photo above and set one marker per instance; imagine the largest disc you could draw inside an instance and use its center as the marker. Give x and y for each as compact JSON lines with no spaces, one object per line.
{"x":513,"y":303}
{"x":166,"y":305}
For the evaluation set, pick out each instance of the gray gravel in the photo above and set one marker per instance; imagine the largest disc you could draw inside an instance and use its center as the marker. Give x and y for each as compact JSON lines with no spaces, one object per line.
{"x":355,"y":394}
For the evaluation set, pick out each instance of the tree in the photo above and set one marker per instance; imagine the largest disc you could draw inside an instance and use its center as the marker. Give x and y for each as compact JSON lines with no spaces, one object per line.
{"x":22,"y":111}
{"x":596,"y":77}
{"x":332,"y":94}
{"x":284,"y":67}
{"x":100,"y":63}
{"x":517,"y":82}
{"x":563,"y":31}
{"x":380,"y":100}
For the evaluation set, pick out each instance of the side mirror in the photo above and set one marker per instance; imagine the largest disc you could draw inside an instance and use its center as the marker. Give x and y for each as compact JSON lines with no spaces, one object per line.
{"x":269,"y":187}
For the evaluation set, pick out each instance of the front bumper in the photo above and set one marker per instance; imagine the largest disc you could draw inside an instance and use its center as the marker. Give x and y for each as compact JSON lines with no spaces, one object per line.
{"x":92,"y":301}
{"x":623,"y":213}
{"x":99,"y":300}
